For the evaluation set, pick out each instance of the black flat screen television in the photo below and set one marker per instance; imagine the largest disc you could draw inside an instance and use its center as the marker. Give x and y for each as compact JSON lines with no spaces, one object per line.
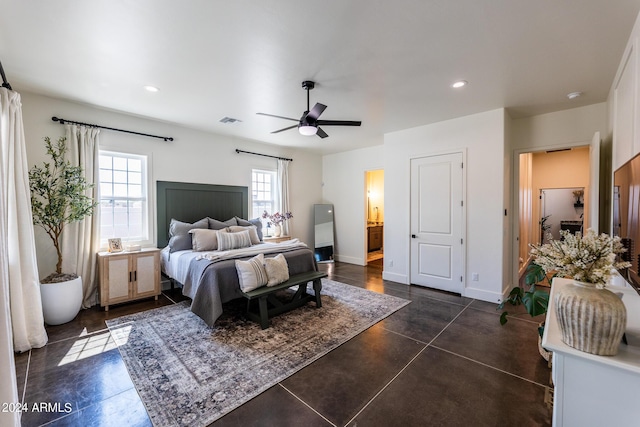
{"x":626,"y":216}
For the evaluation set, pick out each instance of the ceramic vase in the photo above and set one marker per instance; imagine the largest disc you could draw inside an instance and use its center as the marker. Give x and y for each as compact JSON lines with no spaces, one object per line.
{"x":591,"y":320}
{"x":277,"y":230}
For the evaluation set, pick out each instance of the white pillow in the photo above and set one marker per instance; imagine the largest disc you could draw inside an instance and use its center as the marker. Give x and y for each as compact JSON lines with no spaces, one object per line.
{"x":204,"y":239}
{"x":251,"y":273}
{"x":227,"y":241}
{"x":253,"y":232}
{"x":277,"y":270}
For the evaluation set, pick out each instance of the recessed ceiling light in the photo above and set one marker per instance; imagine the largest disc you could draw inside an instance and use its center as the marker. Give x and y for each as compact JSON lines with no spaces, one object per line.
{"x":459,"y":84}
{"x":574,"y":95}
{"x":151,"y":88}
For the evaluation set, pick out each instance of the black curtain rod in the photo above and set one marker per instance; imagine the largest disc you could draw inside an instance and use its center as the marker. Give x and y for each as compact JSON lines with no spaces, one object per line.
{"x":263,"y":155}
{"x":5,"y":83}
{"x":63,"y":121}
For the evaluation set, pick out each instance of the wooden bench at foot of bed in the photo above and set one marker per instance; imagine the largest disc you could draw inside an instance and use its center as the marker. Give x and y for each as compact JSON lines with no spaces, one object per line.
{"x":264,"y":295}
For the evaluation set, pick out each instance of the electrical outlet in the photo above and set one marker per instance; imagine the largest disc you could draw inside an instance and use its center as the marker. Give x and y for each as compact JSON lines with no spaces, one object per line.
{"x":475,"y":277}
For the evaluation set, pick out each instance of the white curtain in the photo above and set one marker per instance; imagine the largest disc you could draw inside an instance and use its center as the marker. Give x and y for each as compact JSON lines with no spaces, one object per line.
{"x":283,"y":192}
{"x":8,"y":388}
{"x":81,"y":240}
{"x":19,"y":248}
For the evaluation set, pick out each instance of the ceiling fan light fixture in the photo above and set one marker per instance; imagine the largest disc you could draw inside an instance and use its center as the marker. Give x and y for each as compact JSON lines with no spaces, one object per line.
{"x":307,"y":130}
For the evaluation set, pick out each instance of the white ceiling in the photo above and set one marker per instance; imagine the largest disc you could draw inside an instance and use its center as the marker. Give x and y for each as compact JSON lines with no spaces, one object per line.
{"x":389,"y":64}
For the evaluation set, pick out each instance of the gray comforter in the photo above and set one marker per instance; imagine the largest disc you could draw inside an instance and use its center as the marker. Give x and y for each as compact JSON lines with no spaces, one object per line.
{"x":211,"y":283}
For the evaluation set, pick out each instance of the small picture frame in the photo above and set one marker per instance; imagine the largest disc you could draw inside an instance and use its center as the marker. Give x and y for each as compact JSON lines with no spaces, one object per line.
{"x":115,"y":245}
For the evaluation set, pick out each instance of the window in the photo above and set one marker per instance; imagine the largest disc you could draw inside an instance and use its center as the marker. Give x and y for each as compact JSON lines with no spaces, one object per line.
{"x":124,"y":204}
{"x":263,"y":194}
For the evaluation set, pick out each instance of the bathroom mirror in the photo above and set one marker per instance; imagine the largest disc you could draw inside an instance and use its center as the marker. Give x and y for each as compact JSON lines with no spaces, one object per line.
{"x":323,"y":232}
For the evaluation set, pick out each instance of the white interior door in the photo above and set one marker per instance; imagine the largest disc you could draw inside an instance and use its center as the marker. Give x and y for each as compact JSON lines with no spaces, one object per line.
{"x":436,"y":222}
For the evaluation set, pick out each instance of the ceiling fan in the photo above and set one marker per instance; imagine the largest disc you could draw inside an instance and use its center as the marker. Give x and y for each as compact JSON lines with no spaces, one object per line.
{"x":309,"y":124}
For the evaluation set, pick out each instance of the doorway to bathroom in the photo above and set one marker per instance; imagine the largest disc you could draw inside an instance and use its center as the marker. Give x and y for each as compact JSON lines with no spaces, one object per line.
{"x":374,"y":232}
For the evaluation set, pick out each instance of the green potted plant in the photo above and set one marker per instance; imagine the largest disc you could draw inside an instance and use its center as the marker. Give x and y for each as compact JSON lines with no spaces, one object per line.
{"x":58,"y":198}
{"x":534,"y":299}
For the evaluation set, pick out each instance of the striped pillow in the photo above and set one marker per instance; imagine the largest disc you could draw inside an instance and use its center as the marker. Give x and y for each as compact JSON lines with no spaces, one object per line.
{"x":251,"y":274}
{"x":238,"y":240}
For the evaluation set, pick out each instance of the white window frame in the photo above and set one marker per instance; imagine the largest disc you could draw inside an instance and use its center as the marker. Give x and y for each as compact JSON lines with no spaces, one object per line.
{"x":146,"y":198}
{"x":272,"y":200}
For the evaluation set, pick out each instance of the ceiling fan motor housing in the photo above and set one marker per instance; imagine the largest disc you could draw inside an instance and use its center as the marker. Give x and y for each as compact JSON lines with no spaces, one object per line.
{"x":309,"y":123}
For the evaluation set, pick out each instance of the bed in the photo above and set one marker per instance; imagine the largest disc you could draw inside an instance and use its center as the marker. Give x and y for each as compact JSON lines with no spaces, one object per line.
{"x":210,"y":278}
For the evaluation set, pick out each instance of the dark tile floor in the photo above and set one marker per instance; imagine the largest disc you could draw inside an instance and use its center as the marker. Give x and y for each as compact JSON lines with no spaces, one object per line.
{"x":443,"y":360}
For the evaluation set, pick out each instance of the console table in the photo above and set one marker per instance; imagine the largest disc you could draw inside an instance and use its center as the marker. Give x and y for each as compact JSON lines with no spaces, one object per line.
{"x":595,"y":390}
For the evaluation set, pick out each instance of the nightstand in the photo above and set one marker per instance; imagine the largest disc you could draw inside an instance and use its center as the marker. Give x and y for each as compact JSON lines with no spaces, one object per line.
{"x":276,"y":239}
{"x":128,"y":276}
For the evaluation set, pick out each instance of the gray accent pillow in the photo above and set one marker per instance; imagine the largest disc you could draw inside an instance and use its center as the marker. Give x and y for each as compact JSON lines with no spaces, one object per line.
{"x":214,"y":224}
{"x":180,"y":243}
{"x":179,"y":228}
{"x":256,"y":221}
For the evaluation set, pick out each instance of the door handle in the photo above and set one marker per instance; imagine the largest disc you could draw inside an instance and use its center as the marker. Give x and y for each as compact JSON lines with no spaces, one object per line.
{"x":413,"y":236}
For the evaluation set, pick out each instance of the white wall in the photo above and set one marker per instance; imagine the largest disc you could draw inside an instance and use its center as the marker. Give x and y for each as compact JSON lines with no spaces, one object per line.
{"x":194,"y":156}
{"x":509,"y":214}
{"x":343,"y":175}
{"x":560,"y":129}
{"x":481,"y":136}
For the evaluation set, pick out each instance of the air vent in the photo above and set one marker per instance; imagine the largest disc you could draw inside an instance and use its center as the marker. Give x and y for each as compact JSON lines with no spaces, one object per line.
{"x":229,"y":120}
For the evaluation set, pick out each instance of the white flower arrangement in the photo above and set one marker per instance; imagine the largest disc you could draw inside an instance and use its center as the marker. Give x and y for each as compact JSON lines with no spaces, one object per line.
{"x":587,"y":258}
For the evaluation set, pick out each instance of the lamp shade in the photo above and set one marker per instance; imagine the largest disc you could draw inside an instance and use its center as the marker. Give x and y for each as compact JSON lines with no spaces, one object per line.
{"x":307,"y":130}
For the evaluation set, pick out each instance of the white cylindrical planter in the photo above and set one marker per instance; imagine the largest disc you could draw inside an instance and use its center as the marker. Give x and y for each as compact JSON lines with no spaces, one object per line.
{"x":61,"y":301}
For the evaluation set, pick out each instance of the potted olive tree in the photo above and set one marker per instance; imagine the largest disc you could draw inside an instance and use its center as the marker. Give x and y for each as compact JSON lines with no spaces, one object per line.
{"x":58,"y":198}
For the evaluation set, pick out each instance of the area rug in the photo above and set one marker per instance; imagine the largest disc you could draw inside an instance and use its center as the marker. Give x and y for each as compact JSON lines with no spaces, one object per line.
{"x":188,"y":374}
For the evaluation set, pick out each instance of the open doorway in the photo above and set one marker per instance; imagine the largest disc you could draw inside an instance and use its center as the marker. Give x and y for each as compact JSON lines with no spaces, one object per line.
{"x":564,"y":173}
{"x":374,"y":233}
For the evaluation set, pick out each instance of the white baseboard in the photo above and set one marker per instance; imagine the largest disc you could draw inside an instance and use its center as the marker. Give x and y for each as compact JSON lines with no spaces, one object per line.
{"x":350,"y":260}
{"x":483,"y":295}
{"x":395,"y":277}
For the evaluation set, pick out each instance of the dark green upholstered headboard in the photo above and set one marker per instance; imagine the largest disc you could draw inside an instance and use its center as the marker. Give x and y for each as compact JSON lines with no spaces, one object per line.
{"x":190,"y":202}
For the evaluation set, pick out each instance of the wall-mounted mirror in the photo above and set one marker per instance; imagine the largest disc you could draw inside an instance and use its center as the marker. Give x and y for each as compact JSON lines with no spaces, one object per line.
{"x":323,"y":232}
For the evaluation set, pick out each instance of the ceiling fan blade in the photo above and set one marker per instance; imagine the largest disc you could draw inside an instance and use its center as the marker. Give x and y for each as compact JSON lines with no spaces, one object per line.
{"x":316,"y":111}
{"x":339,"y":123}
{"x":283,"y":129}
{"x":321,"y":133}
{"x":278,"y":117}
